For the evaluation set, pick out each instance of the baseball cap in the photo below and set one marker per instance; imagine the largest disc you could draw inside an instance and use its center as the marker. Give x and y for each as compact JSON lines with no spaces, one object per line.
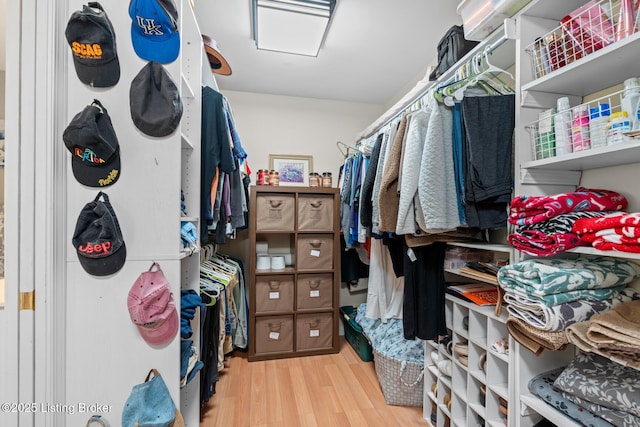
{"x":156,"y":107}
{"x":151,"y":307}
{"x":93,"y":46}
{"x":94,"y":147}
{"x":154,"y":30}
{"x":98,"y":239}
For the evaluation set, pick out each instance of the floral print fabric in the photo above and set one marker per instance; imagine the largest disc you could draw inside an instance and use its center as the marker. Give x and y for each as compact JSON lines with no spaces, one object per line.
{"x":542,"y":386}
{"x":557,"y":281}
{"x":388,"y":338}
{"x":593,"y":379}
{"x":559,"y":317}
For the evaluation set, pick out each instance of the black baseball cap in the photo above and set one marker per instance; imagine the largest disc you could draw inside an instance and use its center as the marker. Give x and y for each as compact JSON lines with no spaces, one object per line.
{"x":94,"y":147}
{"x":98,"y":239}
{"x":156,"y":107}
{"x":93,"y":46}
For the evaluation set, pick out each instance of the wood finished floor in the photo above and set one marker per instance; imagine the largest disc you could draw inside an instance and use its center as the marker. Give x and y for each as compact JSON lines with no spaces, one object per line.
{"x":337,"y":390}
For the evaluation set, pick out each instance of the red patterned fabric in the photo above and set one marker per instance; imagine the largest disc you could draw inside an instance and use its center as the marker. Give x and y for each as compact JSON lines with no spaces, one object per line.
{"x":534,"y":209}
{"x":619,"y":220}
{"x":602,"y":245}
{"x":618,"y":234}
{"x":537,"y":243}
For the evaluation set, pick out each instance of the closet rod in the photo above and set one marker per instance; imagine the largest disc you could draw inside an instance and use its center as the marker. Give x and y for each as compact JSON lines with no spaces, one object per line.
{"x":450,"y":74}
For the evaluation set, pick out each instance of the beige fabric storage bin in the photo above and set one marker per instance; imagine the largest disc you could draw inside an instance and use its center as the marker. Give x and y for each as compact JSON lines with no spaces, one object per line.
{"x":275,"y":212}
{"x":274,"y":334}
{"x":314,"y":291}
{"x":315,"y":212}
{"x":315,"y":252}
{"x":314,"y":331}
{"x":274,"y":293}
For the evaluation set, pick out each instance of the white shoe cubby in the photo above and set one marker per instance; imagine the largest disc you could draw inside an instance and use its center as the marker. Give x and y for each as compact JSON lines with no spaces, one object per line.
{"x":476,"y":389}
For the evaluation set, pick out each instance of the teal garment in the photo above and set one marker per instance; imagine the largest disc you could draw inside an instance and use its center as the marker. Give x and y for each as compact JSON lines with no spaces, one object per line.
{"x":557,"y":281}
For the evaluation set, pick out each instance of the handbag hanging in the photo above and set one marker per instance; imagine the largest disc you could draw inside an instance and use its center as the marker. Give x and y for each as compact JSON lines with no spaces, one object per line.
{"x":150,"y":403}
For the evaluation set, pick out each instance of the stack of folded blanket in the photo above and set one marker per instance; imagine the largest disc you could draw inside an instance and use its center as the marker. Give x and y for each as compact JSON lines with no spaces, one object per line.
{"x":593,"y":390}
{"x":544,"y":224}
{"x":619,"y":231}
{"x":545,"y":296}
{"x":614,"y":334}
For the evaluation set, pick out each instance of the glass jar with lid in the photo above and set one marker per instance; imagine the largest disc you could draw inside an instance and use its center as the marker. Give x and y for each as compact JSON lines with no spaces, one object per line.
{"x":326,"y":179}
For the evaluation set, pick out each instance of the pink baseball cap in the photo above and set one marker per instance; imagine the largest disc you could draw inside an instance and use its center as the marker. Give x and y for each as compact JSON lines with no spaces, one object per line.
{"x":151,"y":307}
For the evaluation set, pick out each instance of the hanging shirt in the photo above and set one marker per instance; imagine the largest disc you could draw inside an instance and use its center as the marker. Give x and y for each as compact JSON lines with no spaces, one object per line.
{"x":215,"y":151}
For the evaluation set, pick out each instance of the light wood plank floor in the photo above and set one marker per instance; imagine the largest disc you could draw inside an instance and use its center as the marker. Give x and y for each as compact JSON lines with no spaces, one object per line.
{"x":337,"y":390}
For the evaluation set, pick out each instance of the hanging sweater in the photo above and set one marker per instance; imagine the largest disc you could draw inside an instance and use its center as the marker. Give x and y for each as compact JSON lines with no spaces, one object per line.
{"x":416,"y":134}
{"x":384,"y":150}
{"x":388,"y":198}
{"x":437,"y":186}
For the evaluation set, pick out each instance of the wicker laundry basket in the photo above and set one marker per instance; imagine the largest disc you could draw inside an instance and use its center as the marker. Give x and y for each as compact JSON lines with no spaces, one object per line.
{"x":401,"y":381}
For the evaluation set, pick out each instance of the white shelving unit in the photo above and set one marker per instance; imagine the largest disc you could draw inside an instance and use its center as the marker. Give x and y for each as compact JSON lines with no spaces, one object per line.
{"x":612,"y":167}
{"x":469,"y":406}
{"x":190,"y":128}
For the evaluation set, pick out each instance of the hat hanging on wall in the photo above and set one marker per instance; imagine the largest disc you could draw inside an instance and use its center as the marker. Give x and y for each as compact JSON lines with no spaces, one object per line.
{"x":151,"y":307}
{"x":156,"y":107}
{"x":93,"y":46}
{"x":98,"y":239}
{"x":94,"y":147}
{"x":154,"y":30}
{"x":218,"y":63}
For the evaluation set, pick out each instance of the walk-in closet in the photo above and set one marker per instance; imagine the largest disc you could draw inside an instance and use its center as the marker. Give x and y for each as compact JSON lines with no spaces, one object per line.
{"x":309,"y":213}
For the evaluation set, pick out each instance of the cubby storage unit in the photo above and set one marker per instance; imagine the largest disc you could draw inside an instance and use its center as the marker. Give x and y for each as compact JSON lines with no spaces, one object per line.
{"x":475,"y":388}
{"x":294,"y":307}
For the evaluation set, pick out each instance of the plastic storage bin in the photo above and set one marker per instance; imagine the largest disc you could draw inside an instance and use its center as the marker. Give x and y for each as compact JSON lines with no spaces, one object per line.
{"x":354,"y":335}
{"x":481,"y":17}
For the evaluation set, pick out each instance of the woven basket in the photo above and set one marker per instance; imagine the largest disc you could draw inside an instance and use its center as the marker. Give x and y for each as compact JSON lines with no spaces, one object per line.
{"x":402,"y":383}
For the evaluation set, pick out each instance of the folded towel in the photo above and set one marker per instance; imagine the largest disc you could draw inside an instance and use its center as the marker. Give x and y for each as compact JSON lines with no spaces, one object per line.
{"x":535,"y":340}
{"x":577,"y":335}
{"x":556,"y":281}
{"x":619,"y":326}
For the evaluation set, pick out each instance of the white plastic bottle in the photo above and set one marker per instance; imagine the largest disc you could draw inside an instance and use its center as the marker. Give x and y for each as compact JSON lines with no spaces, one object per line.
{"x":630,"y":101}
{"x":598,"y":122}
{"x":618,"y":124}
{"x":562,"y":127}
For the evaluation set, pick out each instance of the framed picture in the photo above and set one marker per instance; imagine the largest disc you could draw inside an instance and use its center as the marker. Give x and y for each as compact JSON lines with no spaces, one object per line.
{"x":293,"y":169}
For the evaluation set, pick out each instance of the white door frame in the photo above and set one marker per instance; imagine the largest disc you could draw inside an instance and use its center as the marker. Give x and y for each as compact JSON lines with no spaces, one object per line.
{"x":34,"y":350}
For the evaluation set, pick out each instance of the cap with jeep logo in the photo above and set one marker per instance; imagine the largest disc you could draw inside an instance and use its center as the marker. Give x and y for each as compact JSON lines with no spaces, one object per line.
{"x":98,"y":239}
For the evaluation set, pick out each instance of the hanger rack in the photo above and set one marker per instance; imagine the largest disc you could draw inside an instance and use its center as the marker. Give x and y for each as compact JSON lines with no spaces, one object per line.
{"x":344,"y":148}
{"x":414,"y":101}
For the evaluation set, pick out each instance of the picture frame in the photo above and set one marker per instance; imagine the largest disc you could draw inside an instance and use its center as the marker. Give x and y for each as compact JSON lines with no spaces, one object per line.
{"x":293,"y":169}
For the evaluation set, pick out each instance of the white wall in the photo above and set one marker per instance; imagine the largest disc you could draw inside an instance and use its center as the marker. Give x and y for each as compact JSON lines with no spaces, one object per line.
{"x":289,"y":125}
{"x":273,"y":124}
